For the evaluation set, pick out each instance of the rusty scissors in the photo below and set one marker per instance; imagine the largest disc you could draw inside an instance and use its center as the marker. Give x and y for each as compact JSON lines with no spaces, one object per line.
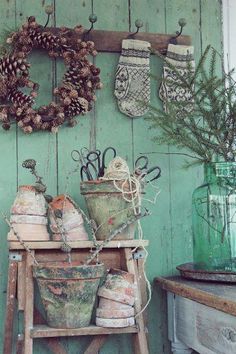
{"x":93,"y":163}
{"x":142,"y":170}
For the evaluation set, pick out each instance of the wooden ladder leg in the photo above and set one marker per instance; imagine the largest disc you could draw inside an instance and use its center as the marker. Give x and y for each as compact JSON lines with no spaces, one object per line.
{"x":29,"y":305}
{"x":140,"y":339}
{"x":96,"y":344}
{"x":11,"y":295}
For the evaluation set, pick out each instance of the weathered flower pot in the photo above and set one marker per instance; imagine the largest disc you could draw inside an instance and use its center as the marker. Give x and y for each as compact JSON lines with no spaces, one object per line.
{"x":29,"y":202}
{"x":72,"y":220}
{"x":115,"y":322}
{"x":28,"y":216}
{"x":118,"y":286}
{"x":68,"y":292}
{"x":112,"y":313}
{"x":108,"y":208}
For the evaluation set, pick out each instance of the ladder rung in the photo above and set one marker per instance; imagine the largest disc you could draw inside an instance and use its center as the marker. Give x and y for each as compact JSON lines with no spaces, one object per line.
{"x":42,"y":331}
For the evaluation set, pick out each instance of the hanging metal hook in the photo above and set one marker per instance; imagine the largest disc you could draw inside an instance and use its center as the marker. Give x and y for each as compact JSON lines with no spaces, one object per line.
{"x":138,"y":24}
{"x":92,"y":19}
{"x":49,"y":10}
{"x":182,"y":22}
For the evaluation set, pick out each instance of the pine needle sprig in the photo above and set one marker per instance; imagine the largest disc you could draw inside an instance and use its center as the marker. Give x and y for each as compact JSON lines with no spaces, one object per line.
{"x":205,"y":123}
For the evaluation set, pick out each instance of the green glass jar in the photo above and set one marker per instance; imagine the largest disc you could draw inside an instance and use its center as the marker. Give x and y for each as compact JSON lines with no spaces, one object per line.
{"x":214,"y":215}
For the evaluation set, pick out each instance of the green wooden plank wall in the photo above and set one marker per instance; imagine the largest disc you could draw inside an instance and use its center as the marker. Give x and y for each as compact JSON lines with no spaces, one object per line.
{"x":169,"y":227}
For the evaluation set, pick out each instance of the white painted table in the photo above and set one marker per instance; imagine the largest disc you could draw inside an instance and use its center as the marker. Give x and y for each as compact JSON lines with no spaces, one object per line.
{"x":201,"y":316}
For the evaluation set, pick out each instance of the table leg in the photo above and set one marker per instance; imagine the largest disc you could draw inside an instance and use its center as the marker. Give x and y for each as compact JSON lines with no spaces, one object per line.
{"x":177,"y":347}
{"x":180,"y":348}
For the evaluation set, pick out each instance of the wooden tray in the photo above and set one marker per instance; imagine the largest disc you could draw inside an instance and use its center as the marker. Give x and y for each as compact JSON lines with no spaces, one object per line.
{"x":221,"y":270}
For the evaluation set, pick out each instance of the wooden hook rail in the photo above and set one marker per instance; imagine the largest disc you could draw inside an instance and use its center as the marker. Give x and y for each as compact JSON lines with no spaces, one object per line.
{"x":110,"y":41}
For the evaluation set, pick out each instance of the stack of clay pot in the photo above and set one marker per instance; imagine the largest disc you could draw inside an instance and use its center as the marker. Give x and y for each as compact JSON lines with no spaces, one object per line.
{"x":64,"y":216}
{"x":29,"y":216}
{"x":116,"y":300}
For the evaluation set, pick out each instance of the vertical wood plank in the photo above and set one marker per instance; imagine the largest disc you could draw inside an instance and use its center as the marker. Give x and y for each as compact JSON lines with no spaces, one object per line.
{"x":157,"y":227}
{"x":182,"y":179}
{"x":74,"y":13}
{"x":8,"y":175}
{"x":40,"y":146}
{"x":72,"y":138}
{"x":112,"y":127}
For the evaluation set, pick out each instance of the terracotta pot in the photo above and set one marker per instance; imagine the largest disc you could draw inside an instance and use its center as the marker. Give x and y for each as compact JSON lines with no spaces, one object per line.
{"x":112,"y":304}
{"x":29,"y":202}
{"x":118,"y":286}
{"x":107,"y":207}
{"x":29,"y":216}
{"x":72,"y":220}
{"x":29,"y":232}
{"x":111,"y":313}
{"x":68,"y":292}
{"x":115,"y":322}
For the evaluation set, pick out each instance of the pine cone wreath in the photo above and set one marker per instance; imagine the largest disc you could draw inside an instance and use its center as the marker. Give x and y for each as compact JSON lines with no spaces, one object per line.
{"x":76,"y":92}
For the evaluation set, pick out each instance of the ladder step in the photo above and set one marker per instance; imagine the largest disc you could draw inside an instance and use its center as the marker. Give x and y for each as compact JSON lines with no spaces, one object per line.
{"x":43,"y":331}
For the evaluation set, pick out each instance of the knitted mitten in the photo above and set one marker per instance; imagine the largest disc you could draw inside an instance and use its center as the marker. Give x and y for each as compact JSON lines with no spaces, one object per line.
{"x":181,"y":57}
{"x":132,"y":85}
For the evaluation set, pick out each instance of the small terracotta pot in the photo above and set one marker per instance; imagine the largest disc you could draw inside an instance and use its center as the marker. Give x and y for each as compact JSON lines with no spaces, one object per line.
{"x":111,"y":313}
{"x":72,"y":220}
{"x":29,"y":232}
{"x":115,"y":322}
{"x":29,"y":202}
{"x":118,"y":286}
{"x":112,"y":304}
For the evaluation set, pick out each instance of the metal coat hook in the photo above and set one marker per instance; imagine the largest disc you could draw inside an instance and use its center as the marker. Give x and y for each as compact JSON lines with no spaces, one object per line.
{"x":182,"y":22}
{"x":138,"y":23}
{"x":92,"y":19}
{"x":49,"y":10}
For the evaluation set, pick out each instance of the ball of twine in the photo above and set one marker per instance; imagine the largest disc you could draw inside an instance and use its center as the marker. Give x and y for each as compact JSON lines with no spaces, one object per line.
{"x":117,"y":169}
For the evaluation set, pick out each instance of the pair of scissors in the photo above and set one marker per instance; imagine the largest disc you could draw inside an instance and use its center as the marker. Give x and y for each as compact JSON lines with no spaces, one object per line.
{"x":89,"y":172}
{"x":80,"y":155}
{"x":98,"y":159}
{"x":142,"y":170}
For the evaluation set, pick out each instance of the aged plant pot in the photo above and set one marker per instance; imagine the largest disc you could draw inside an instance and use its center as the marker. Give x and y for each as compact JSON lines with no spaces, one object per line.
{"x":108,"y":208}
{"x":118,"y":286}
{"x":68,"y":292}
{"x":72,"y":220}
{"x":28,"y":215}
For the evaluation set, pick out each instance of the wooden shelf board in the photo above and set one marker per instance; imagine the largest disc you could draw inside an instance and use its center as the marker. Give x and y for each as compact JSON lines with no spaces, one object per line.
{"x":15,"y":245}
{"x":111,"y":41}
{"x":43,"y":331}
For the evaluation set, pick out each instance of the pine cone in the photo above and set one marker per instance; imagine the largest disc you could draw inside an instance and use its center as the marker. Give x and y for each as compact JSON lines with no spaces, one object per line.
{"x":19,"y":98}
{"x":6,"y":126}
{"x":28,"y":129}
{"x":11,"y":65}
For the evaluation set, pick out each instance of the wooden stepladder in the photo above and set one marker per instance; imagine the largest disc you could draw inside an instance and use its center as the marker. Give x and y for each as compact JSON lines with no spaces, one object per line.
{"x":20,"y":295}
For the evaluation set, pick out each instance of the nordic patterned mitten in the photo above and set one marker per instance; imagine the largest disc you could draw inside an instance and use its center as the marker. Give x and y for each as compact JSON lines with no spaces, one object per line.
{"x":132,"y":85}
{"x":171,"y":89}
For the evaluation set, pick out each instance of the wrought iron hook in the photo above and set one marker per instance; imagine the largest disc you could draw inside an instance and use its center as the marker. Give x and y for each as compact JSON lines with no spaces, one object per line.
{"x":92,"y":19}
{"x":182,"y":22}
{"x":138,"y":23}
{"x":49,"y":10}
